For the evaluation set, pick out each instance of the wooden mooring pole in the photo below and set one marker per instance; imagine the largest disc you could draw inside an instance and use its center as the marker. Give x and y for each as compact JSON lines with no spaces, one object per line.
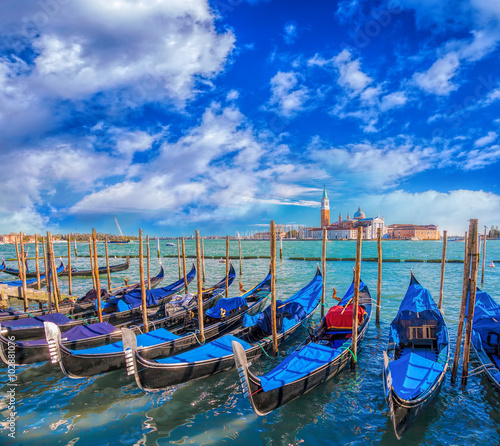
{"x":148,"y":264}
{"x":484,"y":257}
{"x":22,"y":271}
{"x":272,"y":233}
{"x":47,"y":271}
{"x":53,"y":272}
{"x":379,"y":276}
{"x":323,"y":272}
{"x":474,"y":255}
{"x":97,"y":279}
{"x":108,"y":271}
{"x":158,"y":247}
{"x":201,"y":313}
{"x":203,"y":260}
{"x":92,"y":263}
{"x":76,"y":250}
{"x":70,"y":289}
{"x":239,"y":249}
{"x":227,"y":265}
{"x":184,"y":265}
{"x":37,"y":259}
{"x":355,"y":303}
{"x":179,"y":259}
{"x":281,"y":248}
{"x":465,"y":288}
{"x":143,"y":285}
{"x":443,"y":265}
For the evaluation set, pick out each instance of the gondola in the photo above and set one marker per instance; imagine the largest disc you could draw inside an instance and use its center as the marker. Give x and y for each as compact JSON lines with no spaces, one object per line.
{"x":217,"y":356}
{"x":159,"y":342}
{"x":116,"y":311}
{"x":76,"y":272}
{"x":32,"y":283}
{"x":486,"y":336}
{"x":85,"y":336}
{"x":416,"y":358}
{"x":325,"y":352}
{"x":84,"y":304}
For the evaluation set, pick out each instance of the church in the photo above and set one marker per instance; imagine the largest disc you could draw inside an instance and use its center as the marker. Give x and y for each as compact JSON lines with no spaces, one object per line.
{"x":347,"y":229}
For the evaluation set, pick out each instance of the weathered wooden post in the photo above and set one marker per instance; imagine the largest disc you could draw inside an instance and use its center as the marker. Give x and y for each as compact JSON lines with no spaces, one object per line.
{"x":281,"y":248}
{"x":148,"y":264}
{"x":239,"y":248}
{"x":53,"y":271}
{"x":76,"y":250}
{"x":323,"y":271}
{"x":443,"y":264}
{"x":272,"y":233}
{"x":92,"y":263}
{"x":46,"y":265}
{"x":158,"y":247}
{"x":37,"y":259}
{"x":201,"y":313}
{"x":22,"y":272}
{"x":179,"y":259}
{"x":465,"y":290}
{"x":108,"y":271}
{"x":70,"y":290}
{"x":203,"y":260}
{"x":484,"y":257}
{"x":474,"y":254}
{"x":143,"y":285}
{"x":184,"y":265}
{"x":227,"y":265}
{"x":379,"y":277}
{"x":355,"y":303}
{"x":97,"y":278}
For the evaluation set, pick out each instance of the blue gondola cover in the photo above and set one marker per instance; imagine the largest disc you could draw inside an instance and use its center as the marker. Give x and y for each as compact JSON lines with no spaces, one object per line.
{"x":225,"y":306}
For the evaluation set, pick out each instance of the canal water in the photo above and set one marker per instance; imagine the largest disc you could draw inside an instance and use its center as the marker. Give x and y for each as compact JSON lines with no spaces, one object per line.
{"x":349,"y":409}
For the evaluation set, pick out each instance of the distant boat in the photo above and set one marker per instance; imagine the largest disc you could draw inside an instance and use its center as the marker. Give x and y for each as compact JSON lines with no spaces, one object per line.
{"x":491,"y":265}
{"x":169,"y":244}
{"x":221,"y":260}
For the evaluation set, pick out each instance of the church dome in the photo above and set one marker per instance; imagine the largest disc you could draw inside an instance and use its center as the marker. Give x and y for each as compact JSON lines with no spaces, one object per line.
{"x":360,"y":214}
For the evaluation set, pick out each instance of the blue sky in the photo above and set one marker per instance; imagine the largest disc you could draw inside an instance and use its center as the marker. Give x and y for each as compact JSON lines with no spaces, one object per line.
{"x":223,"y":115}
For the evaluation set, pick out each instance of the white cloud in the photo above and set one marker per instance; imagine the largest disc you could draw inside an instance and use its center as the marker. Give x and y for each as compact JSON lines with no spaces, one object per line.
{"x":393,"y":100}
{"x":485,"y":140}
{"x":350,"y":74}
{"x":290,"y":32}
{"x":449,"y":210}
{"x":287,"y":97}
{"x":479,"y":158}
{"x":437,"y":79}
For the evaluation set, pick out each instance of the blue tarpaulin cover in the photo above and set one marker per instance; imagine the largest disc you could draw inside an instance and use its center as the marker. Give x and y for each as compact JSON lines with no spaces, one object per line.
{"x":29,"y":322}
{"x":215,"y":349}
{"x":298,"y":365}
{"x":154,"y":337}
{"x":134,"y":299}
{"x":225,"y":305}
{"x":79,"y":332}
{"x":413,"y":374}
{"x":486,"y":322}
{"x":18,"y":283}
{"x":182,"y":301}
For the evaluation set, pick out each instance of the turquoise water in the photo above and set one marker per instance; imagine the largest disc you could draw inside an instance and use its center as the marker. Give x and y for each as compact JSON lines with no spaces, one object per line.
{"x":350,"y":409}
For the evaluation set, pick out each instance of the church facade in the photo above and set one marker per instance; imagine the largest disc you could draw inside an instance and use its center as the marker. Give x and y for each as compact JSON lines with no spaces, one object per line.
{"x":346,"y":229}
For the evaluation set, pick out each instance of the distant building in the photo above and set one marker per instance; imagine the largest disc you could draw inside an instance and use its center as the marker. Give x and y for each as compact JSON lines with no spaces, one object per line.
{"x":346,"y":229}
{"x":413,"y":232}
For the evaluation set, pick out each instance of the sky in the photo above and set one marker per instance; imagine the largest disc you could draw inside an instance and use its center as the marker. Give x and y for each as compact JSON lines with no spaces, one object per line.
{"x":223,"y":115}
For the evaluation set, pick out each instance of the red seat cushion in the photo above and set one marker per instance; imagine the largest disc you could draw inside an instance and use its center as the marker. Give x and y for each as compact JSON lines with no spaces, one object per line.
{"x":337,"y":320}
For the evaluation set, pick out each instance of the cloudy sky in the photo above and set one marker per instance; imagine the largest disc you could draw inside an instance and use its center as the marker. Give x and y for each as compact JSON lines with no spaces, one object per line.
{"x":222,"y":115}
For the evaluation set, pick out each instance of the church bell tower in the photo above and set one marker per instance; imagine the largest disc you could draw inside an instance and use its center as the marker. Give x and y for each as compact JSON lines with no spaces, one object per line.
{"x":325,"y":210}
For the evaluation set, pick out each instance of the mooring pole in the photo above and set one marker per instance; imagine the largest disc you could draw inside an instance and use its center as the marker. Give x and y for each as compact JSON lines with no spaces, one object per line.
{"x":239,"y":248}
{"x":37,"y":259}
{"x":47,"y":269}
{"x":148,"y":264}
{"x":281,"y":248}
{"x":22,"y":272}
{"x":203,"y":260}
{"x":355,"y":303}
{"x":92,"y":263}
{"x":76,"y":250}
{"x":158,"y":247}
{"x":443,"y":265}
{"x":184,"y":265}
{"x":201,"y":313}
{"x":53,"y":271}
{"x":474,"y":250}
{"x":465,"y":289}
{"x":272,"y":233}
{"x":323,"y":271}
{"x":108,"y":271}
{"x":70,"y":290}
{"x":143,"y":285}
{"x":227,"y":265}
{"x":96,"y":273}
{"x":484,"y":257}
{"x":179,"y":259}
{"x":379,"y":277}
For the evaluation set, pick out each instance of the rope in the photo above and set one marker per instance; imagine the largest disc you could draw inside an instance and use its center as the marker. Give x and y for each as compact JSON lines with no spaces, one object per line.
{"x":353,"y":355}
{"x":478,"y":370}
{"x":197,"y":340}
{"x":262,"y":348}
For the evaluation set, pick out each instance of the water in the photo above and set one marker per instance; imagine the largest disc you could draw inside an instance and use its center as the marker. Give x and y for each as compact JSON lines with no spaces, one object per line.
{"x":349,"y":409}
